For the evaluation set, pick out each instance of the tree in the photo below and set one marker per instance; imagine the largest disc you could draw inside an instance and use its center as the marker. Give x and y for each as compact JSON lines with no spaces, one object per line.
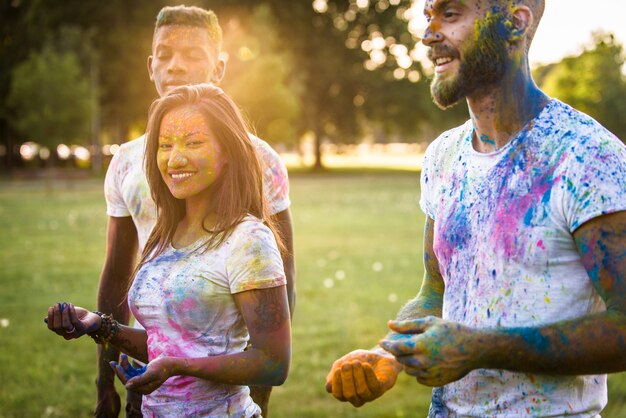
{"x":338,"y":69}
{"x":15,"y":45}
{"x":257,"y":73}
{"x":120,"y":32}
{"x":51,"y":97}
{"x":124,"y":42}
{"x":355,"y":66}
{"x":592,"y":82}
{"x":326,"y":71}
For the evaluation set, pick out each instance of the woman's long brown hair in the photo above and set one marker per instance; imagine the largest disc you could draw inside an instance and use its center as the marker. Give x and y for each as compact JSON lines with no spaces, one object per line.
{"x":238,"y":190}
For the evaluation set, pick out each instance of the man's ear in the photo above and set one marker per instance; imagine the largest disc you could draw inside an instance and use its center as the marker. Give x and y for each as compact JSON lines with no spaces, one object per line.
{"x":218,"y":72}
{"x":521,"y":21}
{"x":150,"y":68}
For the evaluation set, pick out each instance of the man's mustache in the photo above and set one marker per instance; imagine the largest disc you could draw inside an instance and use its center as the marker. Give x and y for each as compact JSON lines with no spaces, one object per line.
{"x":437,"y":51}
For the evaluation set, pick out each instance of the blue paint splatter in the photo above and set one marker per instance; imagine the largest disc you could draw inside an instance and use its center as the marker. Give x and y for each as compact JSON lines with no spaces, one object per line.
{"x":484,"y":138}
{"x":532,"y":337}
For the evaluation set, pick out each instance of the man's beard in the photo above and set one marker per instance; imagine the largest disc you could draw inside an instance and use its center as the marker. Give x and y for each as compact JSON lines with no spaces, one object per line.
{"x":484,"y":64}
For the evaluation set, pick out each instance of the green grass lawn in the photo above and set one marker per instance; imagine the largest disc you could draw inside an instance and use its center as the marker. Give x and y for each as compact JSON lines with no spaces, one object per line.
{"x":358,"y":252}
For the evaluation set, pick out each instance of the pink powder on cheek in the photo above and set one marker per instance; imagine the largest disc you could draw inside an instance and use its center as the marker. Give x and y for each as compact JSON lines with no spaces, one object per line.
{"x":218,"y":158}
{"x":162,"y":166}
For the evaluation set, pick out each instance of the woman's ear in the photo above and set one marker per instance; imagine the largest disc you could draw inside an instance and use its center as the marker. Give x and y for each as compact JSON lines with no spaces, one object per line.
{"x":521,"y":21}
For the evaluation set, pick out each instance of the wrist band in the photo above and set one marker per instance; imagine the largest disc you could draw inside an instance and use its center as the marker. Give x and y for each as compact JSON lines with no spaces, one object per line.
{"x":109,"y":327}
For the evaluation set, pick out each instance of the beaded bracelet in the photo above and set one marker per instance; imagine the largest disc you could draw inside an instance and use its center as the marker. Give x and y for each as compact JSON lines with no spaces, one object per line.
{"x":109,"y":327}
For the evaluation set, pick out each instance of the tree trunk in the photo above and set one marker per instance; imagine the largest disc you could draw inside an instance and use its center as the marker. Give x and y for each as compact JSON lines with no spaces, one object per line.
{"x":5,"y":166}
{"x":318,"y":165}
{"x":96,"y":146}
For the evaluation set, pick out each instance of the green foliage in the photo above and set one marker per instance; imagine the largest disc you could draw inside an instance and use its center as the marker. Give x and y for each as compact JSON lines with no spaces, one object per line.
{"x":349,"y":92}
{"x":124,"y":41}
{"x":401,"y":108}
{"x":293,"y":69}
{"x":394,"y":85}
{"x":592,"y":82}
{"x":51,"y":96}
{"x":257,"y":74}
{"x":326,"y":70}
{"x":119,"y":33}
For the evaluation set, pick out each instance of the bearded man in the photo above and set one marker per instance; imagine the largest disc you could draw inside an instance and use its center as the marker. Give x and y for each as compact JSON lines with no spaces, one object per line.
{"x":522,"y":309}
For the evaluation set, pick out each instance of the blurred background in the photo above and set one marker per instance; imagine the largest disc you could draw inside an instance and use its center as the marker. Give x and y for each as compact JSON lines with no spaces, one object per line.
{"x":315,"y":78}
{"x":339,"y":88}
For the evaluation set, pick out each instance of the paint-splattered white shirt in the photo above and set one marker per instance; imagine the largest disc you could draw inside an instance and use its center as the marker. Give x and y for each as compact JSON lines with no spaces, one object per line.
{"x":503,"y":238}
{"x":127,"y":193}
{"x":184,"y":300}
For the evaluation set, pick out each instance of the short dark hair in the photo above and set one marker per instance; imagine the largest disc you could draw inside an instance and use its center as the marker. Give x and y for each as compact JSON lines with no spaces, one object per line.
{"x":191,"y":16}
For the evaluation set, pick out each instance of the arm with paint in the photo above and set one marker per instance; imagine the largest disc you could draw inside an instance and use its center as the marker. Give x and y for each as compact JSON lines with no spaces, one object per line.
{"x":121,"y":247}
{"x":266,"y":313}
{"x":285,"y":226}
{"x":276,"y":186}
{"x":73,"y":322}
{"x":438,"y":352}
{"x":119,"y":262}
{"x":364,"y":375}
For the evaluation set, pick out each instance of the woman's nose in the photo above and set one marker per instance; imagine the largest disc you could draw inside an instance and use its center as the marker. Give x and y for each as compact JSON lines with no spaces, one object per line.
{"x":177,"y":159}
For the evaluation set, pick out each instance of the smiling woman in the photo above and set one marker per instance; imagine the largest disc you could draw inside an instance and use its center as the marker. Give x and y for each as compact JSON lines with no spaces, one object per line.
{"x":189,"y":160}
{"x":188,"y":156}
{"x":210,"y":287}
{"x":198,"y":146}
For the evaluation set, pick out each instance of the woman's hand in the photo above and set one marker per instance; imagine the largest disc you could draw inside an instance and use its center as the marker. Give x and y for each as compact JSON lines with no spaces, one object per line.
{"x":146,"y":379}
{"x":71,"y":321}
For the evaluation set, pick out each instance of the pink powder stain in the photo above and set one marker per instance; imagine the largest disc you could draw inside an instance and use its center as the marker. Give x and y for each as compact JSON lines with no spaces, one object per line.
{"x":509,"y":216}
{"x":174,"y":325}
{"x":185,"y":333}
{"x":156,"y":341}
{"x":182,"y":386}
{"x":540,"y":244}
{"x":188,"y":304}
{"x":443,"y":248}
{"x":511,"y":212}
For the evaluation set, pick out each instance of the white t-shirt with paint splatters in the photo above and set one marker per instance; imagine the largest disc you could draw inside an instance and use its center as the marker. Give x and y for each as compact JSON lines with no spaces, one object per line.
{"x":184,"y":300}
{"x":127,"y":193}
{"x":503,"y":238}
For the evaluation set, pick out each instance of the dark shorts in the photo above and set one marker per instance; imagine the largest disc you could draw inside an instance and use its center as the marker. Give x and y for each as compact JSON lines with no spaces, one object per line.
{"x":133,"y":401}
{"x":133,"y":405}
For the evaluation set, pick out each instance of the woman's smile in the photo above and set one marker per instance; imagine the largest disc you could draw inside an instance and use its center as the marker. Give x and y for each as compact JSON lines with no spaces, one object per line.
{"x":188,"y":156}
